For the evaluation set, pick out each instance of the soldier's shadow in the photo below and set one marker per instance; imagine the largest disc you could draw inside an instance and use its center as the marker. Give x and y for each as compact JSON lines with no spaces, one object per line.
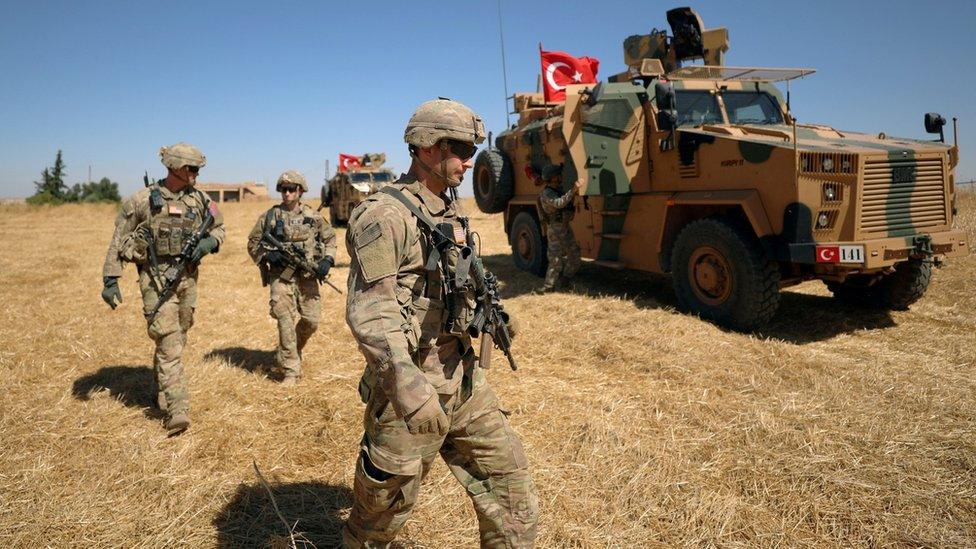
{"x":249,"y":360}
{"x":311,"y":509}
{"x":801,"y":318}
{"x":130,"y":385}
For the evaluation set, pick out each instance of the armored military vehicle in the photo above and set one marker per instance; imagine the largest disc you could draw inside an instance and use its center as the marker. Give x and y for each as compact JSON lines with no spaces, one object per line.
{"x":350,"y":186}
{"x":702,"y":171}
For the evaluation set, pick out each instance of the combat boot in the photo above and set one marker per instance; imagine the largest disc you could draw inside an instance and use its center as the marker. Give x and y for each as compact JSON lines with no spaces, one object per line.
{"x":545,"y":289}
{"x":290,"y":381}
{"x":177,"y":423}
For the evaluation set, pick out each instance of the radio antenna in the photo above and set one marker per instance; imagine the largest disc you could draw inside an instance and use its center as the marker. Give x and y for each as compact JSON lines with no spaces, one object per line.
{"x":501,"y":40}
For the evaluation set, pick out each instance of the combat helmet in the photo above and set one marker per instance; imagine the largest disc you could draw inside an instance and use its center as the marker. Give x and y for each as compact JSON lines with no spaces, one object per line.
{"x":292,"y":177}
{"x":443,"y":118}
{"x":182,"y":154}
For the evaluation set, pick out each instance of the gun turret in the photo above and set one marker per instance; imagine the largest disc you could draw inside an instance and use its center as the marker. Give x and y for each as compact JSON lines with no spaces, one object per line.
{"x":689,"y":40}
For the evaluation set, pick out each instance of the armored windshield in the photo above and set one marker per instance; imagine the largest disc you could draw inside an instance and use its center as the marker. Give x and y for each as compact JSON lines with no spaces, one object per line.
{"x":359,"y":177}
{"x":751,"y":107}
{"x":382,"y":177}
{"x":697,"y":107}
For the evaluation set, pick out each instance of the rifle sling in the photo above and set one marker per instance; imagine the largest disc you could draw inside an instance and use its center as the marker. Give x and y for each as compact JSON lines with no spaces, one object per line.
{"x":435,"y":254}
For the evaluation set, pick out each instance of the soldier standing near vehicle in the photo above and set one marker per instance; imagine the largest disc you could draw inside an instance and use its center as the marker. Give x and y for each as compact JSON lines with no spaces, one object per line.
{"x":423,"y":390}
{"x":558,"y":210}
{"x":295,"y":300}
{"x":152,"y":230}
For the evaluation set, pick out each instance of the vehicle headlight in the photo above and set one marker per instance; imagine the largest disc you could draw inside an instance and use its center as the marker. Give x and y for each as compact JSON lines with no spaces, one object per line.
{"x":845,"y":165}
{"x":822,"y":220}
{"x":828,"y":164}
{"x":830,"y":193}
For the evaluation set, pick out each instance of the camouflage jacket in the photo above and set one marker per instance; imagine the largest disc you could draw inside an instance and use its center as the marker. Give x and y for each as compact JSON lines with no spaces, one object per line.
{"x":181,"y":214}
{"x":557,"y":208}
{"x":395,"y":307}
{"x":304,"y":227}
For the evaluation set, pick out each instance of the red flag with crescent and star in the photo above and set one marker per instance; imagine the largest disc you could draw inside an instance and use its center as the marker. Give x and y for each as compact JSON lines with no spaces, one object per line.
{"x":348,"y":161}
{"x":560,"y":69}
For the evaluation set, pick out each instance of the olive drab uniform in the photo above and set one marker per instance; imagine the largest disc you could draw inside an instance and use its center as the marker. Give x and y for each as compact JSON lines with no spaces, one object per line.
{"x":181,"y":213}
{"x":558,"y":211}
{"x":295,"y":300}
{"x":415,"y":363}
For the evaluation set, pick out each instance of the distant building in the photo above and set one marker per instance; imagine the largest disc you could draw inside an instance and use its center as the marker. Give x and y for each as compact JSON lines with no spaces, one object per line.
{"x":235,"y":192}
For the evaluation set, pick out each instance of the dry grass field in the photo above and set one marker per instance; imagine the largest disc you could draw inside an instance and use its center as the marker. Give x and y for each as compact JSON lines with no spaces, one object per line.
{"x":644,"y":426}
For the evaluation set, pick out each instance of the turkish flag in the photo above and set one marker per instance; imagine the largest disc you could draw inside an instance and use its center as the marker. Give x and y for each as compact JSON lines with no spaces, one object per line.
{"x":560,"y":69}
{"x":348,"y":161}
{"x":828,"y":254}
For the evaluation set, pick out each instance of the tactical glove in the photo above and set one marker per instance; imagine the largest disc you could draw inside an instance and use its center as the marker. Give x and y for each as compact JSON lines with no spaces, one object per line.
{"x":429,"y":419}
{"x":111,"y":292}
{"x":274,"y":257}
{"x":206,"y":245}
{"x":324,"y":266}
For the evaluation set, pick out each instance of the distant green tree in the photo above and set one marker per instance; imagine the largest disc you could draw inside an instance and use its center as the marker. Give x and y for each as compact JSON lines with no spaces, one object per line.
{"x":103,"y":191}
{"x":51,"y":188}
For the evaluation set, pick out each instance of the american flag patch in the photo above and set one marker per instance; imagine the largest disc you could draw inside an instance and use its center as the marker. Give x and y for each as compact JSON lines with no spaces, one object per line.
{"x":173,"y":209}
{"x":459,"y":235}
{"x":213,"y":208}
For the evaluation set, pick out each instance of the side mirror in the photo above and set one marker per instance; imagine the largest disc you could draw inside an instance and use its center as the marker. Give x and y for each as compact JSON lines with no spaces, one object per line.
{"x":934,"y":123}
{"x":667,"y":106}
{"x":326,"y":195}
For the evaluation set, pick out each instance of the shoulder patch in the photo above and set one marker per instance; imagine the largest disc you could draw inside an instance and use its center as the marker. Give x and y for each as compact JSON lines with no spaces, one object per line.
{"x":375,"y":253}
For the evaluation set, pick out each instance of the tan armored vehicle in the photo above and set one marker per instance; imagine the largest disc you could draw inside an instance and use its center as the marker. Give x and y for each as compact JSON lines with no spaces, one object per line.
{"x":701,"y":171}
{"x":348,"y":188}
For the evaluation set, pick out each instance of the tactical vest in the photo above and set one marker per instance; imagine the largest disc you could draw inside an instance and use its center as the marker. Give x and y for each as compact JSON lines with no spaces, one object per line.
{"x":295,"y":227}
{"x":437,"y":307}
{"x":175,"y":222}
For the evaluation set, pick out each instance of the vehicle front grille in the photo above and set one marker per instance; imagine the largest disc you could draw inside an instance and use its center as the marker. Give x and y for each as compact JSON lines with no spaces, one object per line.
{"x":900,"y":195}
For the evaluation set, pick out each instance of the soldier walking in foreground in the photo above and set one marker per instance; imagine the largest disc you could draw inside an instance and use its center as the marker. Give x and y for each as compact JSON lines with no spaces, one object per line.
{"x":165,"y":230}
{"x":294,"y":247}
{"x":558,"y":210}
{"x":424,"y":392}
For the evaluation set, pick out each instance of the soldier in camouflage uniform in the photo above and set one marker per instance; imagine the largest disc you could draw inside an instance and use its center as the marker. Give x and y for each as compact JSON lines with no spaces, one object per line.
{"x":558,"y":210}
{"x":424,"y":392}
{"x":168,"y":212}
{"x":295,"y":300}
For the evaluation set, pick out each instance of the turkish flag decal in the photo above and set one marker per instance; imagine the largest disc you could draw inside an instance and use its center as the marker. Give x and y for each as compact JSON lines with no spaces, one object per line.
{"x":828,"y":254}
{"x":559,"y":69}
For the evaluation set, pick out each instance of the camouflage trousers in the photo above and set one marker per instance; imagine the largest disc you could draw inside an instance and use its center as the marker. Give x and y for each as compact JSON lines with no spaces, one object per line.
{"x":168,"y":330}
{"x":564,"y":253}
{"x":297,"y":307}
{"x":481,"y":450}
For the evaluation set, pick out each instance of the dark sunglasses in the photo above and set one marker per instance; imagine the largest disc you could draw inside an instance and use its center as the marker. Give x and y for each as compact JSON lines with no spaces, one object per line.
{"x":193,"y":169}
{"x":289,"y":189}
{"x":462,"y":150}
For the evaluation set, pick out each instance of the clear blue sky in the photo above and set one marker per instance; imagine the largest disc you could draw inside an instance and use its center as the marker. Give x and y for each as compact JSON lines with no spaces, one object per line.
{"x":262,"y":87}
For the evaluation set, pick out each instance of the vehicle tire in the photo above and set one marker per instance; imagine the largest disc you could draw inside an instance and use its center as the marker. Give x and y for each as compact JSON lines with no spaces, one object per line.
{"x":333,"y":217}
{"x":895,"y":291}
{"x":326,"y":196}
{"x":721,"y":273}
{"x":494,"y":185}
{"x":528,"y":247}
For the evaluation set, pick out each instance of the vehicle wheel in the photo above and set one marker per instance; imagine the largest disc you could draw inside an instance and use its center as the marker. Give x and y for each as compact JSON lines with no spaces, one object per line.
{"x":895,"y":291}
{"x":528,"y":246}
{"x":333,"y":216}
{"x":720,"y":272}
{"x":494,"y":185}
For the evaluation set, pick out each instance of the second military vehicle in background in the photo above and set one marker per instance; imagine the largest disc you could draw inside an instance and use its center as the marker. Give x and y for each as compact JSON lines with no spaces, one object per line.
{"x":703,"y":172}
{"x":356,"y":178}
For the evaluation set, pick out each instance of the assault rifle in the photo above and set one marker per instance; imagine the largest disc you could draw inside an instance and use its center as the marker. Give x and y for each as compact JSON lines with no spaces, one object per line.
{"x":295,"y":259}
{"x":171,"y":278}
{"x":490,"y":321}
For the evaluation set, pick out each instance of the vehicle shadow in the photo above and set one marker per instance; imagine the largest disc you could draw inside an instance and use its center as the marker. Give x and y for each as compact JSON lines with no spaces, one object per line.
{"x":312,"y":510}
{"x":133,"y":386}
{"x":801,"y":318}
{"x":249,"y":360}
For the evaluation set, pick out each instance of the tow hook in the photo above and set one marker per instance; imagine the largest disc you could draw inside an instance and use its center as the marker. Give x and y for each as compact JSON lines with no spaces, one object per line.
{"x":923,"y":248}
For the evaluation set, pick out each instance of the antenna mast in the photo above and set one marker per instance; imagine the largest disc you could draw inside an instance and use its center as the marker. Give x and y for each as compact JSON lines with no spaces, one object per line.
{"x":501,"y":40}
